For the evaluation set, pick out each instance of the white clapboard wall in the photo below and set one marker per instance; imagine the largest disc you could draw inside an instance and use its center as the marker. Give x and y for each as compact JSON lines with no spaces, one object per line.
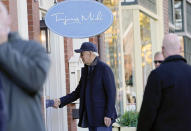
{"x":55,"y":87}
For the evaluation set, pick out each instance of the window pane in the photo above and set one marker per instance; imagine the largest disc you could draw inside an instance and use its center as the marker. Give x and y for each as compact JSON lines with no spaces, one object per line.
{"x":188,"y":9}
{"x":126,"y":2}
{"x":146,"y":46}
{"x":113,"y":56}
{"x":178,"y":4}
{"x":170,"y":11}
{"x":128,"y":49}
{"x":149,"y":4}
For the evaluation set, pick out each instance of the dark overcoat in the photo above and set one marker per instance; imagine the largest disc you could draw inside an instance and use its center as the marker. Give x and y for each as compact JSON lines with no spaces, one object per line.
{"x":167,"y":99}
{"x":97,"y":93}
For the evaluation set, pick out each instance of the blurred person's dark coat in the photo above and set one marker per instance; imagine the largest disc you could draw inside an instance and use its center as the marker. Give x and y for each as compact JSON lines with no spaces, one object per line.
{"x":24,"y":66}
{"x":2,"y":108}
{"x":167,"y":99}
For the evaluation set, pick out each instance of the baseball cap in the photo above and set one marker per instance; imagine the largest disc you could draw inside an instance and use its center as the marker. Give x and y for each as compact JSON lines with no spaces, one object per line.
{"x":87,"y":46}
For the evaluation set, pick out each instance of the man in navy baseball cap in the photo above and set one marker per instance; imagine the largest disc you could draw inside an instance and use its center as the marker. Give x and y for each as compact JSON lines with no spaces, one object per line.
{"x":88,"y":52}
{"x":96,"y":91}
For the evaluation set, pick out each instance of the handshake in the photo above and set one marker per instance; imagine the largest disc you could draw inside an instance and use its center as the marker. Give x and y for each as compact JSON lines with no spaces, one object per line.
{"x":53,"y":103}
{"x":56,"y":103}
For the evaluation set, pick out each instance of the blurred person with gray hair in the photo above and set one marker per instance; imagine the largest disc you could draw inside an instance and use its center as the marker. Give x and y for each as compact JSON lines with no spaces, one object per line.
{"x":23,"y":69}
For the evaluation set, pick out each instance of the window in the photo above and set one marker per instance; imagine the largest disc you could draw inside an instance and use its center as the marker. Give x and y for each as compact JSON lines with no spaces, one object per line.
{"x":178,"y":8}
{"x":128,"y":52}
{"x":128,"y":2}
{"x":170,"y":11}
{"x":149,"y":4}
{"x":188,"y":14}
{"x":113,"y":55}
{"x":145,"y":29}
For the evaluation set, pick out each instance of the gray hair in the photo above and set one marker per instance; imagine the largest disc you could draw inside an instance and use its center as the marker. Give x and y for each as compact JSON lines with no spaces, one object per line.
{"x":157,"y":54}
{"x":95,"y":53}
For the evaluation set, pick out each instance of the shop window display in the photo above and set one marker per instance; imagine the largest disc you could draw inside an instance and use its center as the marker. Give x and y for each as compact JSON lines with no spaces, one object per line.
{"x":146,"y":51}
{"x":128,"y":51}
{"x":113,"y":55}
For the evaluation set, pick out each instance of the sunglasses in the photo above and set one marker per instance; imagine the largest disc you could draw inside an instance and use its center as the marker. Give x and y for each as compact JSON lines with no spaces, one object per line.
{"x":158,"y":61}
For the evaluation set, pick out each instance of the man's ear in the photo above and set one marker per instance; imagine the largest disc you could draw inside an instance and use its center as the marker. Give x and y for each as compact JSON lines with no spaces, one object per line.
{"x":90,"y":52}
{"x":181,"y":49}
{"x":163,"y":51}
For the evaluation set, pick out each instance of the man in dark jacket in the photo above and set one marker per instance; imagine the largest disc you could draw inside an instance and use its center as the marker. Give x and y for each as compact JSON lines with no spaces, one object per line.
{"x":96,"y":90}
{"x":167,"y":99}
{"x":23,"y":67}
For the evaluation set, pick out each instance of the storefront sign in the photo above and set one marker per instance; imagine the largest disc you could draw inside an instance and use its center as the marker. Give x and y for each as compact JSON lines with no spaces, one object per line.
{"x":79,"y":18}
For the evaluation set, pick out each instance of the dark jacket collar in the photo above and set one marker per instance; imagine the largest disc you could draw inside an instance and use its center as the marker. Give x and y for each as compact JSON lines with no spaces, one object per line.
{"x":174,"y":58}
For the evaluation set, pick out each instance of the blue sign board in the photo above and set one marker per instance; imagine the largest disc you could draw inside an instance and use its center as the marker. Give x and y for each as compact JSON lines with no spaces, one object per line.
{"x":78,"y":18}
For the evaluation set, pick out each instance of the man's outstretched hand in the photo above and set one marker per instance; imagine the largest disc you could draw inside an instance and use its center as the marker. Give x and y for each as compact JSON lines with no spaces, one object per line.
{"x":56,"y":103}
